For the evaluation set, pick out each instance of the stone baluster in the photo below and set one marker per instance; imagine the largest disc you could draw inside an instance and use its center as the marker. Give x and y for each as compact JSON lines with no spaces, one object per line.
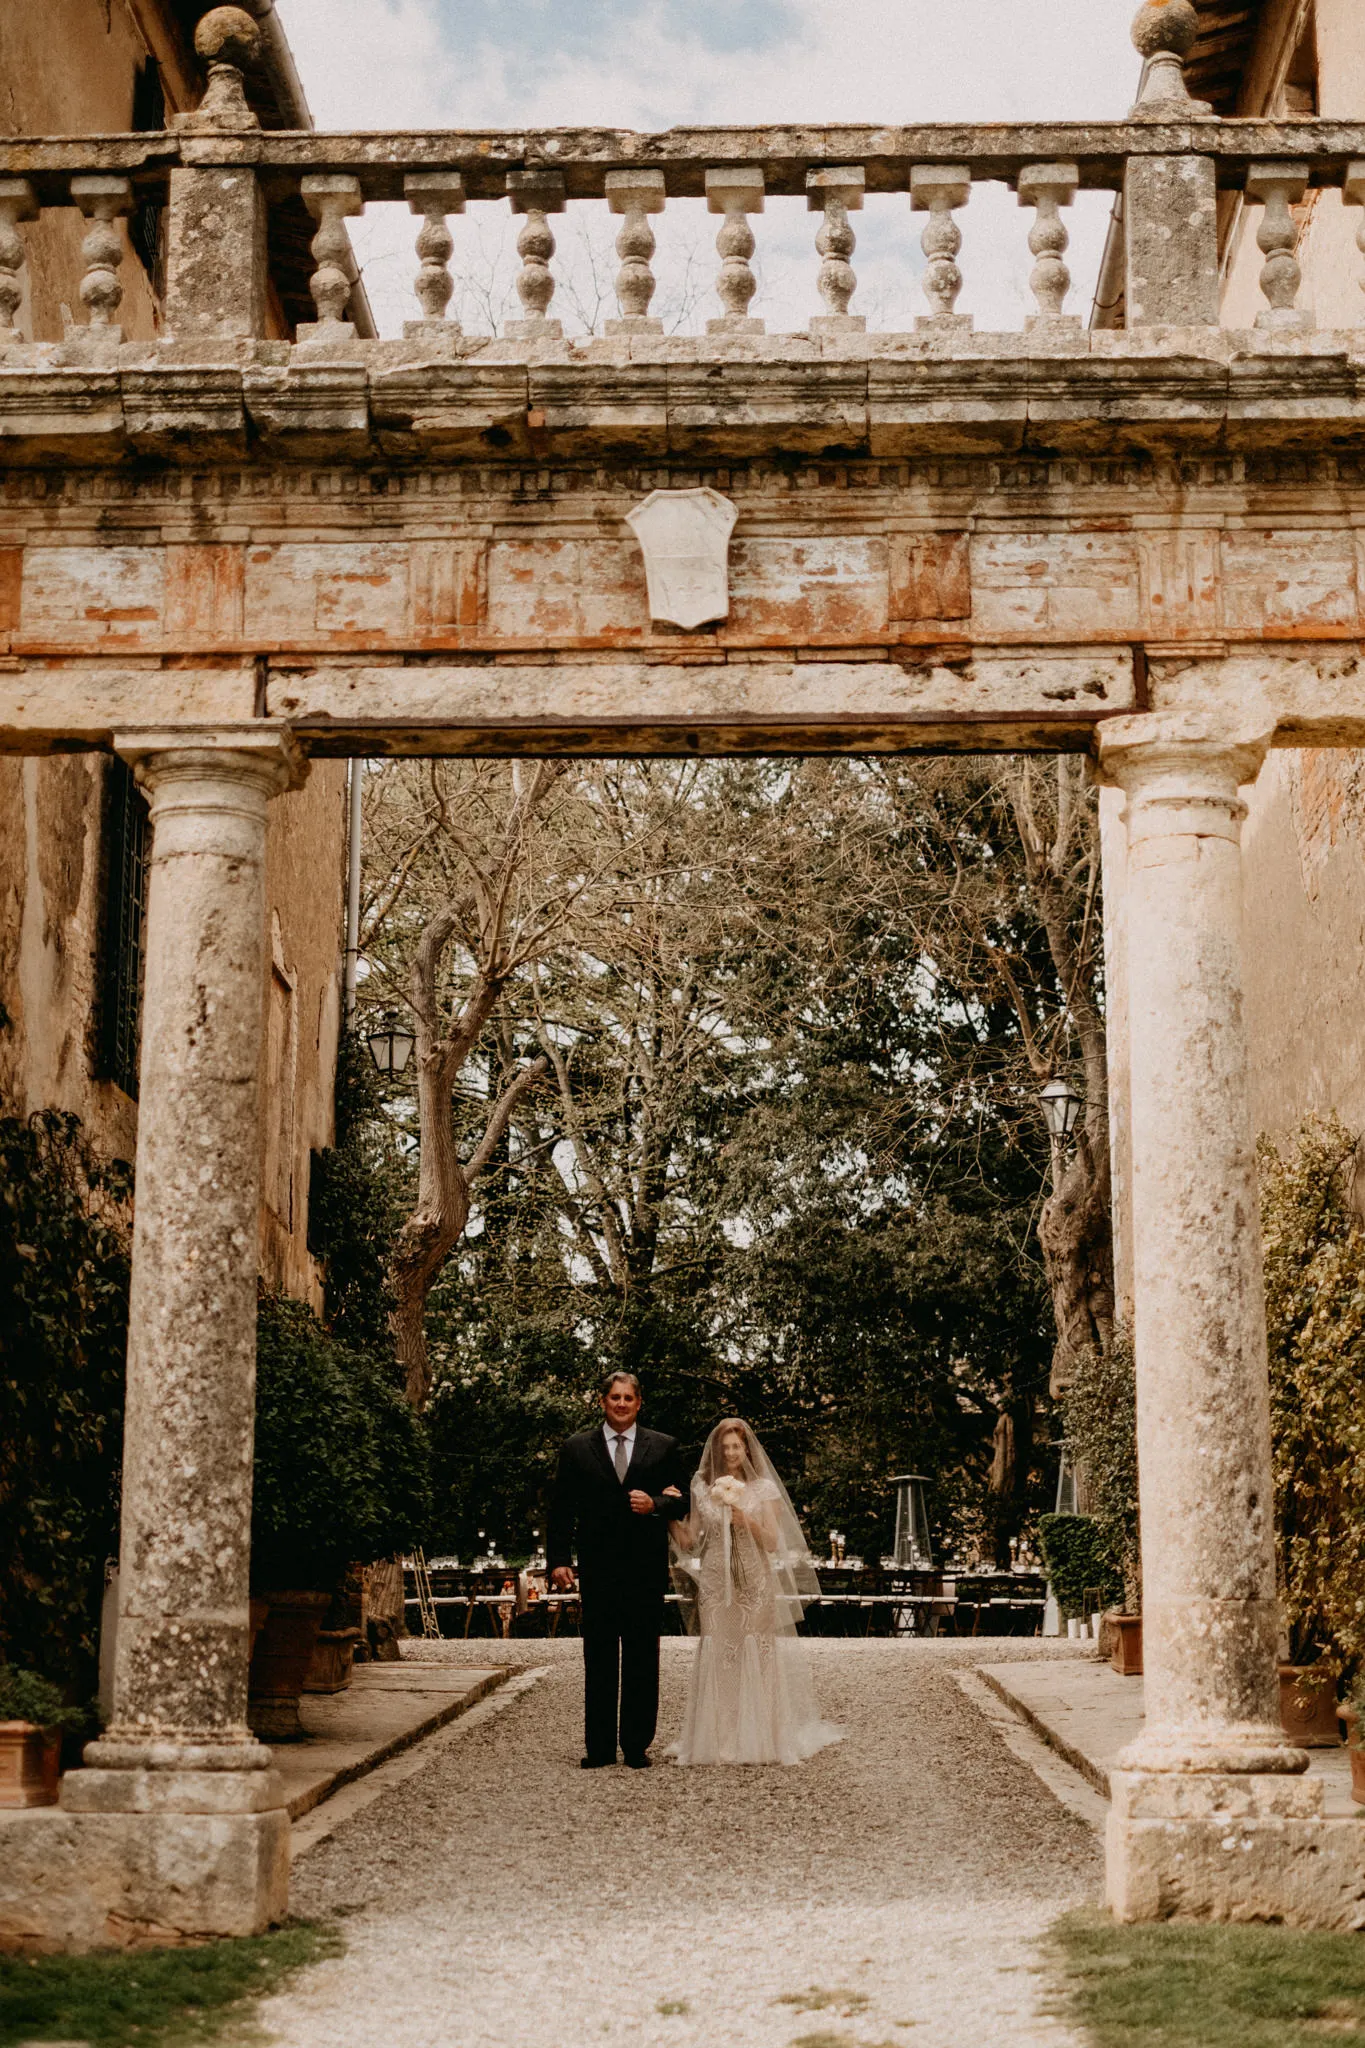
{"x":1163,"y":34}
{"x":1279,"y":187}
{"x":736,"y":194}
{"x":332,"y":201}
{"x":1170,"y":203}
{"x":938,"y":189}
{"x":535,"y":194}
{"x":177,"y":1754}
{"x":635,"y":194}
{"x":434,"y":195}
{"x":1212,"y":1766}
{"x":104,"y":201}
{"x":835,"y":194}
{"x":17,"y":202}
{"x":1353,"y":193}
{"x":1048,"y":188}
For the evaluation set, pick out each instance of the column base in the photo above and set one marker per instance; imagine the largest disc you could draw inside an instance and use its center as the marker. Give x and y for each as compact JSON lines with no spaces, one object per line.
{"x":1226,"y":1847}
{"x":173,"y":1791}
{"x":72,"y":1881}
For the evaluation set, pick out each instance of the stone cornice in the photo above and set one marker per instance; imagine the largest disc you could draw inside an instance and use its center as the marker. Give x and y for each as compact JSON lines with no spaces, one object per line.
{"x":701,"y":398}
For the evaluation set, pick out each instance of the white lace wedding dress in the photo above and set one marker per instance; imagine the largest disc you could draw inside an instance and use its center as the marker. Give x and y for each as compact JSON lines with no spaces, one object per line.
{"x":750,"y":1697}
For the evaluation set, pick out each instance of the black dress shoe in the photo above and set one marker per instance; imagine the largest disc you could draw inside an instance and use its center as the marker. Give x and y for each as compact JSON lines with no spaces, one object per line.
{"x":596,"y":1763}
{"x":638,"y":1763}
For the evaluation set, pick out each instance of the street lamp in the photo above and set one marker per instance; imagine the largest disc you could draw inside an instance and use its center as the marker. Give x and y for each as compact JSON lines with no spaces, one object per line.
{"x":390,"y":1047}
{"x":1061,"y":1107}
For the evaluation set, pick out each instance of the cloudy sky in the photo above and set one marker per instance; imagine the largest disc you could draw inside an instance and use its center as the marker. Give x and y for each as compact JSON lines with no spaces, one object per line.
{"x":395,"y":64}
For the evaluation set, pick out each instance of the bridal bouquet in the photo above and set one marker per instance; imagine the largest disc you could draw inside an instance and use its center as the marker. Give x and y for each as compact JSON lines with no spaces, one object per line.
{"x":728,"y":1491}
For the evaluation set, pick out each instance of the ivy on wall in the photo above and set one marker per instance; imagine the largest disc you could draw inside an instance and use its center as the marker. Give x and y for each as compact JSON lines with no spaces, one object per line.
{"x":1099,"y":1414}
{"x":1315,"y":1325}
{"x":1079,"y":1564}
{"x":63,"y":1331}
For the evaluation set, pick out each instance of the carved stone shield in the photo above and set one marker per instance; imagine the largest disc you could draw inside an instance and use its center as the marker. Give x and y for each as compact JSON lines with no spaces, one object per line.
{"x":685,"y":539}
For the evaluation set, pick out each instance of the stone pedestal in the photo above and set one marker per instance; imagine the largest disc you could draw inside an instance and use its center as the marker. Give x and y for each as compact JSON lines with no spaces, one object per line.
{"x":1224,"y":1846}
{"x":1210,"y":1815}
{"x":178,"y":1794}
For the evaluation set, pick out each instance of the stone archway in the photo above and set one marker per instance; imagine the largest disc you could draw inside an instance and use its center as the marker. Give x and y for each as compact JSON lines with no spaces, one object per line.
{"x":221,"y":557}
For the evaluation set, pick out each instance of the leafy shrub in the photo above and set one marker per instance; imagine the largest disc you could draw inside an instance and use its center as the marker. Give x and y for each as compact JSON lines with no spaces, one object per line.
{"x":341,"y":1459}
{"x":26,"y":1697}
{"x":63,"y":1335}
{"x":1079,"y":1562}
{"x":356,"y":1205}
{"x":1099,"y":1413}
{"x":1315,"y":1324}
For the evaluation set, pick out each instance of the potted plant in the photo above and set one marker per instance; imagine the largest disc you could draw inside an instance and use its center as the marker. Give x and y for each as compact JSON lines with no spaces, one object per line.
{"x":1315,"y":1329}
{"x":33,"y":1718}
{"x":341,"y":1474}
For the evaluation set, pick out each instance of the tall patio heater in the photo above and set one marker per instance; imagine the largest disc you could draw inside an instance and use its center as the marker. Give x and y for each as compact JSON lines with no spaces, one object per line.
{"x":1068,"y":1491}
{"x":913,"y":1551}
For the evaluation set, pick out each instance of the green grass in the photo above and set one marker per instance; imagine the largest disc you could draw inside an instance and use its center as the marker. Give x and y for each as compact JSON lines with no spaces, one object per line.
{"x":156,"y":1998}
{"x":1190,"y":1986}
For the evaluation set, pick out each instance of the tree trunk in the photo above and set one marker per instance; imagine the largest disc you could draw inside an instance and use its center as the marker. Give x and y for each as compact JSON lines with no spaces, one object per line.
{"x":1075,"y":1235}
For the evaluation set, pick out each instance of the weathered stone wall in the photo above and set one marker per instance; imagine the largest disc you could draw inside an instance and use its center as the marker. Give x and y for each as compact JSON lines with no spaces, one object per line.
{"x":1305,"y":832}
{"x":1304,"y":836}
{"x":69,"y":66}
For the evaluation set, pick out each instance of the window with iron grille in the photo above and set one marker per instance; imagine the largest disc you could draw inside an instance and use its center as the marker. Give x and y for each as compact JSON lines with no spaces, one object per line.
{"x":144,"y":226}
{"x":125,"y":908}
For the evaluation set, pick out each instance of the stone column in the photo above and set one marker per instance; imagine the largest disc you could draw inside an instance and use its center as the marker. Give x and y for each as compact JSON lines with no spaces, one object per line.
{"x":1209,"y":1809}
{"x":178,"y":1742}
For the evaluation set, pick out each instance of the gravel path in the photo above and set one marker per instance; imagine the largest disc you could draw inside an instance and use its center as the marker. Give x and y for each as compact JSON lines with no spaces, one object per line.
{"x":503,"y":1896}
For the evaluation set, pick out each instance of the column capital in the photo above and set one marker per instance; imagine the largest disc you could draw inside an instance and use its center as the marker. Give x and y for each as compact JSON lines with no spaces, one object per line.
{"x":1165,"y":762}
{"x":260,"y":753}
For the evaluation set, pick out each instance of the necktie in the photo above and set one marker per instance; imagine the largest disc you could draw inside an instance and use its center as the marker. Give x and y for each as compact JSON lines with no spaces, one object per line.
{"x":622,"y":1459}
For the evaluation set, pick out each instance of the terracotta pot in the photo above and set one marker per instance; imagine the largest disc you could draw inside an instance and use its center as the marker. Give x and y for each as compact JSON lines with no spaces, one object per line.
{"x":280,"y":1661}
{"x":1126,"y":1657}
{"x":30,"y":1761}
{"x":330,"y":1670}
{"x":1308,"y":1711}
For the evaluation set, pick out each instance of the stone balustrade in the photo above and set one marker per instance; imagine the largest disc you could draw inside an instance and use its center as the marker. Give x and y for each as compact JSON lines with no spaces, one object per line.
{"x":215,"y":186}
{"x":218,"y":174}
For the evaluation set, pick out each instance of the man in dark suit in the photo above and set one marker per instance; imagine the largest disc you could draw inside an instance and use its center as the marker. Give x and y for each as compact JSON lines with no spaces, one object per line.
{"x":617,"y":1489}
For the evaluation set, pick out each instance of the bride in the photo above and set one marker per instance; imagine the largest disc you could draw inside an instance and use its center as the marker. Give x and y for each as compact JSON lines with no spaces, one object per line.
{"x":741,"y":1564}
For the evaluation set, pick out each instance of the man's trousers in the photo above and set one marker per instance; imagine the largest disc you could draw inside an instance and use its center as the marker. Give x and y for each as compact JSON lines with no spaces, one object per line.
{"x":620,"y":1688}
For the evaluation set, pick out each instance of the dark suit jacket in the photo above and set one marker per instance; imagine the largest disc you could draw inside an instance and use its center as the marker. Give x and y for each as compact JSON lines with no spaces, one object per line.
{"x":622,"y":1556}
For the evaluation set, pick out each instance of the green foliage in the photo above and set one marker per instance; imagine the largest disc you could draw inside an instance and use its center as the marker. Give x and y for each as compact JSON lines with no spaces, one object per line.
{"x":819,"y":1216}
{"x":1187,"y":1986}
{"x":1079,"y":1562}
{"x":1315,"y":1322}
{"x":26,"y":1697}
{"x":160,"y":1998}
{"x":1099,"y":1414}
{"x":355,"y":1205}
{"x":342,"y":1461}
{"x":496,"y":1429}
{"x":63,"y":1334}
